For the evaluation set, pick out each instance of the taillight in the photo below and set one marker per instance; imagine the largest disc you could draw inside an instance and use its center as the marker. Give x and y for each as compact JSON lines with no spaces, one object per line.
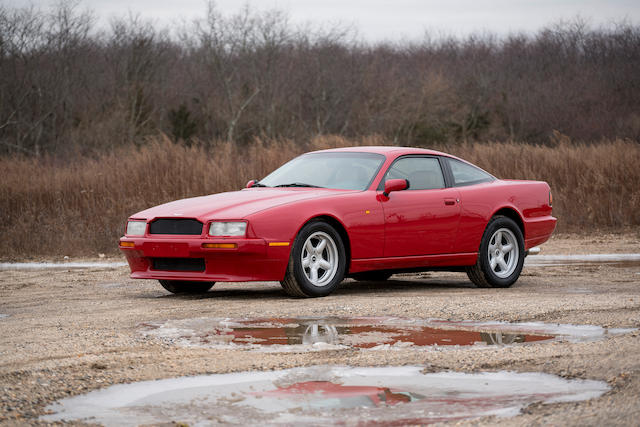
{"x":550,"y":199}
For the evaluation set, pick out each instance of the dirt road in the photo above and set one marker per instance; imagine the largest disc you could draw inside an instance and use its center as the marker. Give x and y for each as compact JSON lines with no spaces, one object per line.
{"x":65,"y":332}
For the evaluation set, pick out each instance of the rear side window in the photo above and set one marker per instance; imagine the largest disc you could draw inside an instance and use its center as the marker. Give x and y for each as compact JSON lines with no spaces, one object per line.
{"x":423,"y":173}
{"x":466,"y":174}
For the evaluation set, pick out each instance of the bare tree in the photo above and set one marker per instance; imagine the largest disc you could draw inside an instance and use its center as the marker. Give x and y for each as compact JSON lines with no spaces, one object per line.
{"x":67,"y":87}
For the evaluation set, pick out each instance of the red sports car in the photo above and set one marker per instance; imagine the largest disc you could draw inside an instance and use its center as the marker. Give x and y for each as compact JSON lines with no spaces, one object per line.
{"x":361,"y":212}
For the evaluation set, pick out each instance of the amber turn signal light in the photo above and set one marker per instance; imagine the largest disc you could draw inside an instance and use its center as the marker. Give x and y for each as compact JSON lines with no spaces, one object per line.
{"x":127,"y":244}
{"x":278,"y":243}
{"x":550,"y":199}
{"x":220,"y":245}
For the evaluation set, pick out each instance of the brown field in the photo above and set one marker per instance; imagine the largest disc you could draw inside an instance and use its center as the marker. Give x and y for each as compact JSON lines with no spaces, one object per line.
{"x":49,"y":207}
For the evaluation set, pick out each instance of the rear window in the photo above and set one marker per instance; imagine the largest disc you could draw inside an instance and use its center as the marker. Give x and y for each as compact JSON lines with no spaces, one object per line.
{"x":466,"y":174}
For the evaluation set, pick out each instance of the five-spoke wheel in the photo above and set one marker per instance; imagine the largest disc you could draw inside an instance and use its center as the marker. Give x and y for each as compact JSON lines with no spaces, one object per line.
{"x":501,"y":255}
{"x":317,"y":262}
{"x":320,"y":258}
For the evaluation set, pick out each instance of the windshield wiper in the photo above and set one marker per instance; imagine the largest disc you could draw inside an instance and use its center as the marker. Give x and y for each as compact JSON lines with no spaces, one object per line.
{"x":298,"y":184}
{"x":258,"y":184}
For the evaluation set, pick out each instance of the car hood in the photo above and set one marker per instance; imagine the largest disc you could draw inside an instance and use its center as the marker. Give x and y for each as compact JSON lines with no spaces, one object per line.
{"x":234,"y":204}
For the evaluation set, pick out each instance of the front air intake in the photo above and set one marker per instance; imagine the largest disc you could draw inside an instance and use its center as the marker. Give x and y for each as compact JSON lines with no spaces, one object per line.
{"x":178,"y":264}
{"x":176,"y":226}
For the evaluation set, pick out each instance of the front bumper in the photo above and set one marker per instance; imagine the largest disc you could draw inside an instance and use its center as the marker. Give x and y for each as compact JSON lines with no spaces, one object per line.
{"x":245,"y":260}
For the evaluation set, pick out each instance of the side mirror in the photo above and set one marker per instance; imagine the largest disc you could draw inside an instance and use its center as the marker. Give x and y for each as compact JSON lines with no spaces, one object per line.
{"x":395,"y":185}
{"x":251,"y":183}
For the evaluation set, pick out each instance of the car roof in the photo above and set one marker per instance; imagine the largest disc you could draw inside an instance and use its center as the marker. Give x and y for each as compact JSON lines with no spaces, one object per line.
{"x":385,"y":150}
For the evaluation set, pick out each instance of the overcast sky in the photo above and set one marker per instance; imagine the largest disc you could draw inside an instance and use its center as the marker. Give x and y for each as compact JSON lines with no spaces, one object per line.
{"x":378,"y":20}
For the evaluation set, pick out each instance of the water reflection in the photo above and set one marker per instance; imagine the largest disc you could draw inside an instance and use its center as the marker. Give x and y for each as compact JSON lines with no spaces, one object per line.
{"x":498,"y":338}
{"x":321,"y":395}
{"x":325,"y":394}
{"x":320,"y":333}
{"x":326,"y":333}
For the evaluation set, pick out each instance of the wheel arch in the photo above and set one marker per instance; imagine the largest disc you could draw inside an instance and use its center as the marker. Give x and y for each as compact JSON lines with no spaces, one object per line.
{"x":513,"y":214}
{"x":340,"y":228}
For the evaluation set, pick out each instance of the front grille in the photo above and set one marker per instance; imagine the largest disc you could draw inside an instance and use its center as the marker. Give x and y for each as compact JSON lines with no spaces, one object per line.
{"x":178,"y":264}
{"x":176,"y":226}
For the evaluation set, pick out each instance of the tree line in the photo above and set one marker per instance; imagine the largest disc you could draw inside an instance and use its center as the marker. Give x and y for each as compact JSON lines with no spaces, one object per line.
{"x":68,"y":86}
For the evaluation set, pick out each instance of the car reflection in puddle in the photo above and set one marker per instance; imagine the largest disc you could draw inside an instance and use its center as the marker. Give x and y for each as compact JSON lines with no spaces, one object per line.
{"x":322,"y":395}
{"x":325,"y":394}
{"x":374,"y":333}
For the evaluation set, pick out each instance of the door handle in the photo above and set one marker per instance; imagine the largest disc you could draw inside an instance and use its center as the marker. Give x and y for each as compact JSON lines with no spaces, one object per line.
{"x":450,"y":202}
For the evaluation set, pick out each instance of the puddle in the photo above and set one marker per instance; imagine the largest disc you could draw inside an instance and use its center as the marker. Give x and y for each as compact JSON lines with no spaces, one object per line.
{"x":322,"y":395}
{"x":367,"y":333}
{"x":54,"y":265}
{"x":616,"y":260}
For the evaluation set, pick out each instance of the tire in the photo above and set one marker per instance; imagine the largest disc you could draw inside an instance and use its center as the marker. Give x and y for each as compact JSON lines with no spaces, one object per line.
{"x":328,"y":262}
{"x":371,"y":276}
{"x":186,"y":287}
{"x":507,"y":264}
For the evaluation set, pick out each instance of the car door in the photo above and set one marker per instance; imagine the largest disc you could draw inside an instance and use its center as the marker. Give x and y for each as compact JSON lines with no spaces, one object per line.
{"x":422,"y":220}
{"x":475,"y":204}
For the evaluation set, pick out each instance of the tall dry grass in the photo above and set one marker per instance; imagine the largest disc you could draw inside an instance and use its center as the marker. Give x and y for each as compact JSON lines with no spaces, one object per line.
{"x":80,"y":207}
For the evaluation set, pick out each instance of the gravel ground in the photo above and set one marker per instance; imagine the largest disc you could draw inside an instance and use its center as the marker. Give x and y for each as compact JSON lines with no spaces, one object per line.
{"x":66,"y":332}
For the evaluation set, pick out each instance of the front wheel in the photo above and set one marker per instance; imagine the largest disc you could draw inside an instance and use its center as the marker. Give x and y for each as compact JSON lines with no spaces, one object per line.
{"x":501,"y":255}
{"x":317,"y":262}
{"x":186,"y":287}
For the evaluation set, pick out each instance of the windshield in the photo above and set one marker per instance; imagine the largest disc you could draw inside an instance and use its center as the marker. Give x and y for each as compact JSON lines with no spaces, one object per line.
{"x":343,"y":171}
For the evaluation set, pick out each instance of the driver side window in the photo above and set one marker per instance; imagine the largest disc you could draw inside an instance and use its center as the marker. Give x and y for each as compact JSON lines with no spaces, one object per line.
{"x":423,"y":173}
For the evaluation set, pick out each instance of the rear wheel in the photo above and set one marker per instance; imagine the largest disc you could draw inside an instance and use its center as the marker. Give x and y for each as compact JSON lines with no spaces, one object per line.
{"x":371,"y":276}
{"x":501,"y":255}
{"x":186,"y":287}
{"x":317,"y":262}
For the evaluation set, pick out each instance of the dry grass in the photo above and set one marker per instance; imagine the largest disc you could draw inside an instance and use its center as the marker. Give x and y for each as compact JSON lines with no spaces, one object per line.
{"x":80,"y":207}
{"x":594,"y":186}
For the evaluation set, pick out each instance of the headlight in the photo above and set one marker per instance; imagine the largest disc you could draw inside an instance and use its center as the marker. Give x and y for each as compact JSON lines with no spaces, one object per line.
{"x":237,"y":228}
{"x":136,"y":228}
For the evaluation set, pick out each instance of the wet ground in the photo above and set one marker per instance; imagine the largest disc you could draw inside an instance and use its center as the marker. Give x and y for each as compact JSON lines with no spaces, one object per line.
{"x":613,"y":260}
{"x":371,"y":333}
{"x":72,"y":332}
{"x":324,"y":395}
